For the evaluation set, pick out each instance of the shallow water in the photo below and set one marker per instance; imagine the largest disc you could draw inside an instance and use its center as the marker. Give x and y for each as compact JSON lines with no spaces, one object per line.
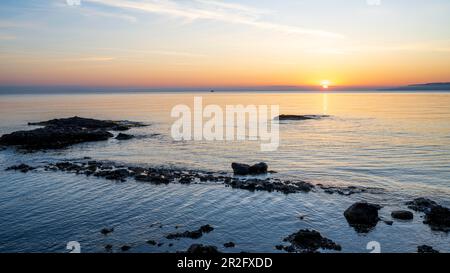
{"x":396,"y":141}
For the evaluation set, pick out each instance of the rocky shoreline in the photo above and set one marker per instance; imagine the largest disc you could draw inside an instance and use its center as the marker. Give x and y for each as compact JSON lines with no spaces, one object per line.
{"x":362,"y":216}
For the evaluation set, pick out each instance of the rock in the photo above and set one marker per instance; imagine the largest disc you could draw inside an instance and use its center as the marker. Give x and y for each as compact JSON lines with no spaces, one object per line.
{"x":402,"y":215}
{"x":123,"y":136}
{"x":348,"y":190}
{"x":388,"y":222}
{"x":310,"y":241}
{"x":191,"y":234}
{"x":60,"y":133}
{"x":108,"y":247}
{"x":300,"y":117}
{"x":106,"y":231}
{"x":152,"y":242}
{"x":279,"y":247}
{"x":52,"y":137}
{"x":119,"y":174}
{"x":206,"y":228}
{"x":24,"y":168}
{"x":426,"y":249}
{"x":229,"y":245}
{"x":244,"y":169}
{"x":362,"y":216}
{"x":421,"y":204}
{"x":438,"y":218}
{"x":110,"y":125}
{"x":125,"y":248}
{"x":202,"y":249}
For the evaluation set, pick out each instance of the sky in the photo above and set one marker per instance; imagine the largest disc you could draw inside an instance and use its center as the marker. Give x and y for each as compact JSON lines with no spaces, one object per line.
{"x":223,"y":43}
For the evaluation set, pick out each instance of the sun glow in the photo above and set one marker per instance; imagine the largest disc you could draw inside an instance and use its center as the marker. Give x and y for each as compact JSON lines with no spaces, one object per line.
{"x":325,"y":84}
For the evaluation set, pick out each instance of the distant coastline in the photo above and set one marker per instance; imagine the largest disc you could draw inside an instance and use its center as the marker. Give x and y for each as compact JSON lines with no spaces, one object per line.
{"x":49,"y":90}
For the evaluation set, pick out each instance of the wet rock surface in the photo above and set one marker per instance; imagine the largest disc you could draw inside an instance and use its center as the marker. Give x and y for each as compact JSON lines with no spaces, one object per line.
{"x":202,"y":249}
{"x":362,"y":216}
{"x":244,"y":169}
{"x":229,"y":245}
{"x":61,"y":133}
{"x":421,"y":204}
{"x":24,"y":168}
{"x":191,"y":234}
{"x":123,"y":136}
{"x":300,"y":117}
{"x":349,"y":190}
{"x":121,"y":173}
{"x":306,"y":241}
{"x":436,"y":216}
{"x":426,"y":249}
{"x":402,"y":215}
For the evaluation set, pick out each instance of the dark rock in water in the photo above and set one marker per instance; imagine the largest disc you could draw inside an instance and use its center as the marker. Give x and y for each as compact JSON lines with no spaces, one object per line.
{"x":108,"y":247}
{"x":438,"y":218}
{"x":244,"y":169}
{"x":268,"y":185}
{"x":421,"y":204}
{"x":60,"y":133}
{"x":123,"y":136}
{"x":119,"y":174}
{"x":349,"y":190}
{"x":362,"y":216}
{"x":152,"y":242}
{"x":88,"y":123}
{"x":206,"y":228}
{"x":21,"y":168}
{"x":191,"y":234}
{"x":402,"y":215}
{"x":53,"y":137}
{"x":202,"y":249}
{"x":106,"y":231}
{"x":125,"y":248}
{"x":229,"y":245}
{"x":300,"y":117}
{"x":426,"y":249}
{"x":310,"y":241}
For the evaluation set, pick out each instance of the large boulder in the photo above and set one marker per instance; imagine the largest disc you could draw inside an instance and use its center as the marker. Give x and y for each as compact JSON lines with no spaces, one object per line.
{"x":245,"y":169}
{"x":438,"y":218}
{"x":362,"y":216}
{"x":402,"y":215}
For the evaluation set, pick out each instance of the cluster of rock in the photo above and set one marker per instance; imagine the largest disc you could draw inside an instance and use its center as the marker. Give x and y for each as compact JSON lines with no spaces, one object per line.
{"x":308,"y":241}
{"x":191,"y":234}
{"x":349,"y":190}
{"x":120,"y":172}
{"x":60,"y":133}
{"x":436,"y":216}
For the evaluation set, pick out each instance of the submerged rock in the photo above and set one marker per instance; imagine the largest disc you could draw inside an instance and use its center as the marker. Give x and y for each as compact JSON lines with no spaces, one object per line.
{"x":362,"y":216}
{"x":202,"y":249}
{"x":229,"y":245}
{"x":125,"y":248}
{"x":21,"y":168}
{"x":426,"y":249}
{"x":123,"y":136}
{"x":89,"y":123}
{"x":421,"y":204}
{"x":191,"y":234}
{"x":244,"y":169}
{"x":402,"y":215}
{"x":106,"y":231}
{"x":300,"y":117}
{"x":309,"y":241}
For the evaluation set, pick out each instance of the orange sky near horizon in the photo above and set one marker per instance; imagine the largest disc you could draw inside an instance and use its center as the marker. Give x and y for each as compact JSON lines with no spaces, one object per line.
{"x":218,"y":44}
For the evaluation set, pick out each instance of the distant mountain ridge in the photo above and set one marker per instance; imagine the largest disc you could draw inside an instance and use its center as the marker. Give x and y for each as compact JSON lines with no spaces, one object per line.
{"x":435,"y":86}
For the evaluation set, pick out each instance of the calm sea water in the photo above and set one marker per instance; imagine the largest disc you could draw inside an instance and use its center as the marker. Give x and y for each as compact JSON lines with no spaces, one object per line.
{"x":396,"y":141}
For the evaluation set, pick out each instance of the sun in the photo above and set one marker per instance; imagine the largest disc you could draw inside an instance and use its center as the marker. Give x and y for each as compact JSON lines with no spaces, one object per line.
{"x":325,"y":84}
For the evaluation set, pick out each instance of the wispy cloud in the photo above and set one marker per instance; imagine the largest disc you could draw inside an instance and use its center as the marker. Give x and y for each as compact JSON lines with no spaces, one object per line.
{"x":212,"y":10}
{"x":154,"y":52}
